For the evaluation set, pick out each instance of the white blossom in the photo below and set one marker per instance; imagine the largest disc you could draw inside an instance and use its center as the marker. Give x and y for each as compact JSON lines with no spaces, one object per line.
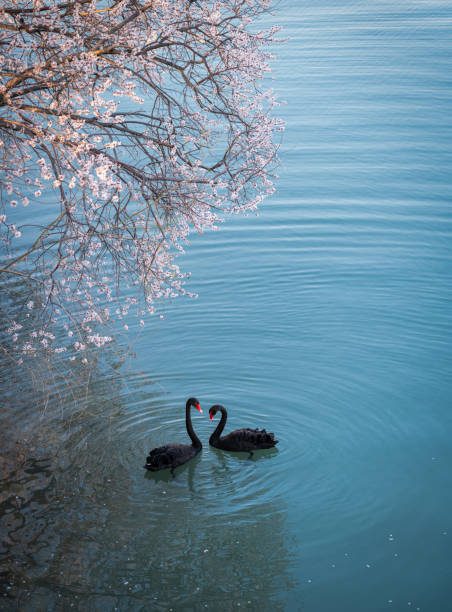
{"x":124,"y":131}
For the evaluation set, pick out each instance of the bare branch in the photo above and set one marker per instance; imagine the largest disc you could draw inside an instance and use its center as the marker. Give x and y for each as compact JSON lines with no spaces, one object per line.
{"x":135,"y":123}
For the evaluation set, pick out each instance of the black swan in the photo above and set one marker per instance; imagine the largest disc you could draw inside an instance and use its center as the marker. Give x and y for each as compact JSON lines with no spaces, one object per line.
{"x":172,"y":455}
{"x":247,"y":440}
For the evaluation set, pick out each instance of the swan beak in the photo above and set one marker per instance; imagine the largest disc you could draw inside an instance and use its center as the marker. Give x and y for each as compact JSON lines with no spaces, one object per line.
{"x":198,"y":407}
{"x":210,"y":417}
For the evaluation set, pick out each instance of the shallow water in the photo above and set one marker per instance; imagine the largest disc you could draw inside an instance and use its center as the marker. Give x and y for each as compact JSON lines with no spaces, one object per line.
{"x":326,"y":319}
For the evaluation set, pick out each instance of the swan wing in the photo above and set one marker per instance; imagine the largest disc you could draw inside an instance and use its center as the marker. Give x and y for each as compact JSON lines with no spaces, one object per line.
{"x":248,"y":439}
{"x":170,"y":455}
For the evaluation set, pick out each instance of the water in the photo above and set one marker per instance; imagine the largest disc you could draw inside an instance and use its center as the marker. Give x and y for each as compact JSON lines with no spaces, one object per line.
{"x":326,"y":319}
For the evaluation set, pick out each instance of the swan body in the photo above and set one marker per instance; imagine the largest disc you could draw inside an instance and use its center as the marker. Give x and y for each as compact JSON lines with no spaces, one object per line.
{"x":247,"y":440}
{"x":172,"y":455}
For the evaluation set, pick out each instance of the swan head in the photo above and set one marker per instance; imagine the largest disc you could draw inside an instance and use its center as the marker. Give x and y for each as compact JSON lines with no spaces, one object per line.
{"x":213,"y":410}
{"x":194,"y":402}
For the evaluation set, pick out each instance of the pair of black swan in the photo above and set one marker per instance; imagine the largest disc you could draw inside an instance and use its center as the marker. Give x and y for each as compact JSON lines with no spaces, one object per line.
{"x":172,"y":455}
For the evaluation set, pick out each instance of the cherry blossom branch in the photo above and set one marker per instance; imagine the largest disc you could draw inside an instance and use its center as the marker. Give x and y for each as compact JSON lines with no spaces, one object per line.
{"x":136,"y":123}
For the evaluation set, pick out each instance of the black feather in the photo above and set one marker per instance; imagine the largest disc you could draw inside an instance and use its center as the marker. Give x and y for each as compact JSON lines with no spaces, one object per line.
{"x":172,"y":455}
{"x":244,"y":439}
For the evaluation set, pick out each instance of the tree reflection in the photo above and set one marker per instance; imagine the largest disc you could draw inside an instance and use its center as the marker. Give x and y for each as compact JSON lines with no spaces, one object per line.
{"x":85,"y":527}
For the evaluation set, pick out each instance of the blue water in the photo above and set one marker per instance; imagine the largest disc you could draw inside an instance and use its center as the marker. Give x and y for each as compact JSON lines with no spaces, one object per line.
{"x":326,"y":319}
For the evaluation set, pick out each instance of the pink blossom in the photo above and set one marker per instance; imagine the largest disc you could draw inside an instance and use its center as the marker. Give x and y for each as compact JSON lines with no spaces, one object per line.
{"x":133,"y":157}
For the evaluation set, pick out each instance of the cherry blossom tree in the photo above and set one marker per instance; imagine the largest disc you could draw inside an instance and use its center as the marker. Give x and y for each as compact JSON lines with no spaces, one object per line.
{"x":124,"y":126}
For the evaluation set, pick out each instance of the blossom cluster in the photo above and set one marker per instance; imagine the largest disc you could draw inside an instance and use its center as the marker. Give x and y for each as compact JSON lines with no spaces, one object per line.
{"x":124,"y":126}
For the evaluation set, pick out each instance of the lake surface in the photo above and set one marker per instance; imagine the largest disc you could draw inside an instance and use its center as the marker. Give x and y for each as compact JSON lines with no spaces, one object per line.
{"x":326,"y":319}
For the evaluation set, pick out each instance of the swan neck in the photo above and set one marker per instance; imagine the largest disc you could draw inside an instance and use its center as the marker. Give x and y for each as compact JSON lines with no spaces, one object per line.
{"x":193,"y":437}
{"x":216,"y":434}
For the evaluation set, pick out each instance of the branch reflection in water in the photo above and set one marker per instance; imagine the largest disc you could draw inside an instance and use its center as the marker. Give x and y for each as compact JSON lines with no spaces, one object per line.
{"x":83,"y":527}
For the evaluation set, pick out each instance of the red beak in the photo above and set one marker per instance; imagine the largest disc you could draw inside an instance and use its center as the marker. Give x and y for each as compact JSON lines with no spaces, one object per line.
{"x":198,"y":407}
{"x":210,"y":416}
